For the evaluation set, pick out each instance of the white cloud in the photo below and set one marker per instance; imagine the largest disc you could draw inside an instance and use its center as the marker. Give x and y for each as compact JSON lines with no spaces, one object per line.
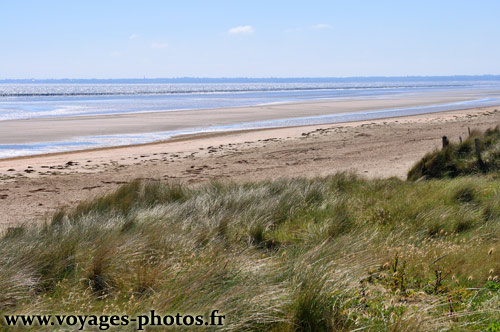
{"x":241,"y":30}
{"x":159,"y":45}
{"x":321,"y":26}
{"x":134,"y":36}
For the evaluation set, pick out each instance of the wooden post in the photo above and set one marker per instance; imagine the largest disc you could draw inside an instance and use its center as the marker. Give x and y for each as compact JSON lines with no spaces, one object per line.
{"x":460,"y":138}
{"x":468,"y":129}
{"x":478,"y":153}
{"x":445,"y":142}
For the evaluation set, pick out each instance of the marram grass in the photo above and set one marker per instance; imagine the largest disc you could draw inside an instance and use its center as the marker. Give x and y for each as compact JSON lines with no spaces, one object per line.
{"x":340,"y":253}
{"x":460,"y":158}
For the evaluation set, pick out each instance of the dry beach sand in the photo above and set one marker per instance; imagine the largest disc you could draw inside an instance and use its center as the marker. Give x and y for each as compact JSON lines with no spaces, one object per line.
{"x":33,"y":187}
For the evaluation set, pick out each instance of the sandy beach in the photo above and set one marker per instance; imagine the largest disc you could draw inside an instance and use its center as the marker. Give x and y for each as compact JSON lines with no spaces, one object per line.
{"x":31,"y":188}
{"x":39,"y":130}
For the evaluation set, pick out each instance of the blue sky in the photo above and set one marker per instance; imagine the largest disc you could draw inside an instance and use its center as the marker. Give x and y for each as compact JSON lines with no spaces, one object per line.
{"x":128,"y":39}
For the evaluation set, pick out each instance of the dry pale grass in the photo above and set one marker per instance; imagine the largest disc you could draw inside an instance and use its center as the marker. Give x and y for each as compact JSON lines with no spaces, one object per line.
{"x":339,"y":253}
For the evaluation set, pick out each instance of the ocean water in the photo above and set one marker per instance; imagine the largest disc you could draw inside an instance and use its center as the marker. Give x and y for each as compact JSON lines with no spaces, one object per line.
{"x":20,"y":101}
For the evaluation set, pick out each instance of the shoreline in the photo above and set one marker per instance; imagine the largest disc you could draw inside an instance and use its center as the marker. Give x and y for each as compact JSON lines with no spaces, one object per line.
{"x":109,"y":131}
{"x":212,"y":134}
{"x":117,"y":129}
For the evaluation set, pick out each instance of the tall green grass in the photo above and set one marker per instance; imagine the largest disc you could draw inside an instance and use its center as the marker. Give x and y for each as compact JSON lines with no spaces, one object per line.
{"x":339,"y":253}
{"x":459,"y":159}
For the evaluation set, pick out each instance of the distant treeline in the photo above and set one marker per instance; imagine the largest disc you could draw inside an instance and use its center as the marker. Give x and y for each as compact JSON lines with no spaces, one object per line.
{"x":258,"y":80}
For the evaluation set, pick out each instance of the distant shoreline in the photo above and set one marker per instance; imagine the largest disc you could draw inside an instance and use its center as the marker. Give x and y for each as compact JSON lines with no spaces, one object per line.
{"x":486,"y":77}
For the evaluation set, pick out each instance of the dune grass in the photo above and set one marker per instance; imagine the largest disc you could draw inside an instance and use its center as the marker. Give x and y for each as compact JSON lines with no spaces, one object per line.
{"x":459,"y":159}
{"x":338,"y":253}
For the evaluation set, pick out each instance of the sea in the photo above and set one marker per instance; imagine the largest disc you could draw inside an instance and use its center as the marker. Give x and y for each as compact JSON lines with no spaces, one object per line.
{"x":34,"y":99}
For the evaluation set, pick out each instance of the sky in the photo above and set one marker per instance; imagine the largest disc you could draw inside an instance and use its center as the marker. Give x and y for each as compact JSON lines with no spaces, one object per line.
{"x":163,"y":39}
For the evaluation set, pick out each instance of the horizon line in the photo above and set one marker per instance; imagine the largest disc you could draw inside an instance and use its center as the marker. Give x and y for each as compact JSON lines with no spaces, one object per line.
{"x":200,"y":78}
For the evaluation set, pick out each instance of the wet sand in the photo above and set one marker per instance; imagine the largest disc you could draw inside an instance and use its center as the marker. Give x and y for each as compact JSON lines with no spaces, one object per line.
{"x":67,"y":128}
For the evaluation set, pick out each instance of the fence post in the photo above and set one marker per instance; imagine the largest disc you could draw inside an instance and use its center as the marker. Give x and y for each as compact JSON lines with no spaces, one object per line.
{"x":445,"y":142}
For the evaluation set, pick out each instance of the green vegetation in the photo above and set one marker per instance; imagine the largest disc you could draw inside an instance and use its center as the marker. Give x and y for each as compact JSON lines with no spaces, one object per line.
{"x":340,"y":253}
{"x":337,"y":253}
{"x":459,"y":159}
